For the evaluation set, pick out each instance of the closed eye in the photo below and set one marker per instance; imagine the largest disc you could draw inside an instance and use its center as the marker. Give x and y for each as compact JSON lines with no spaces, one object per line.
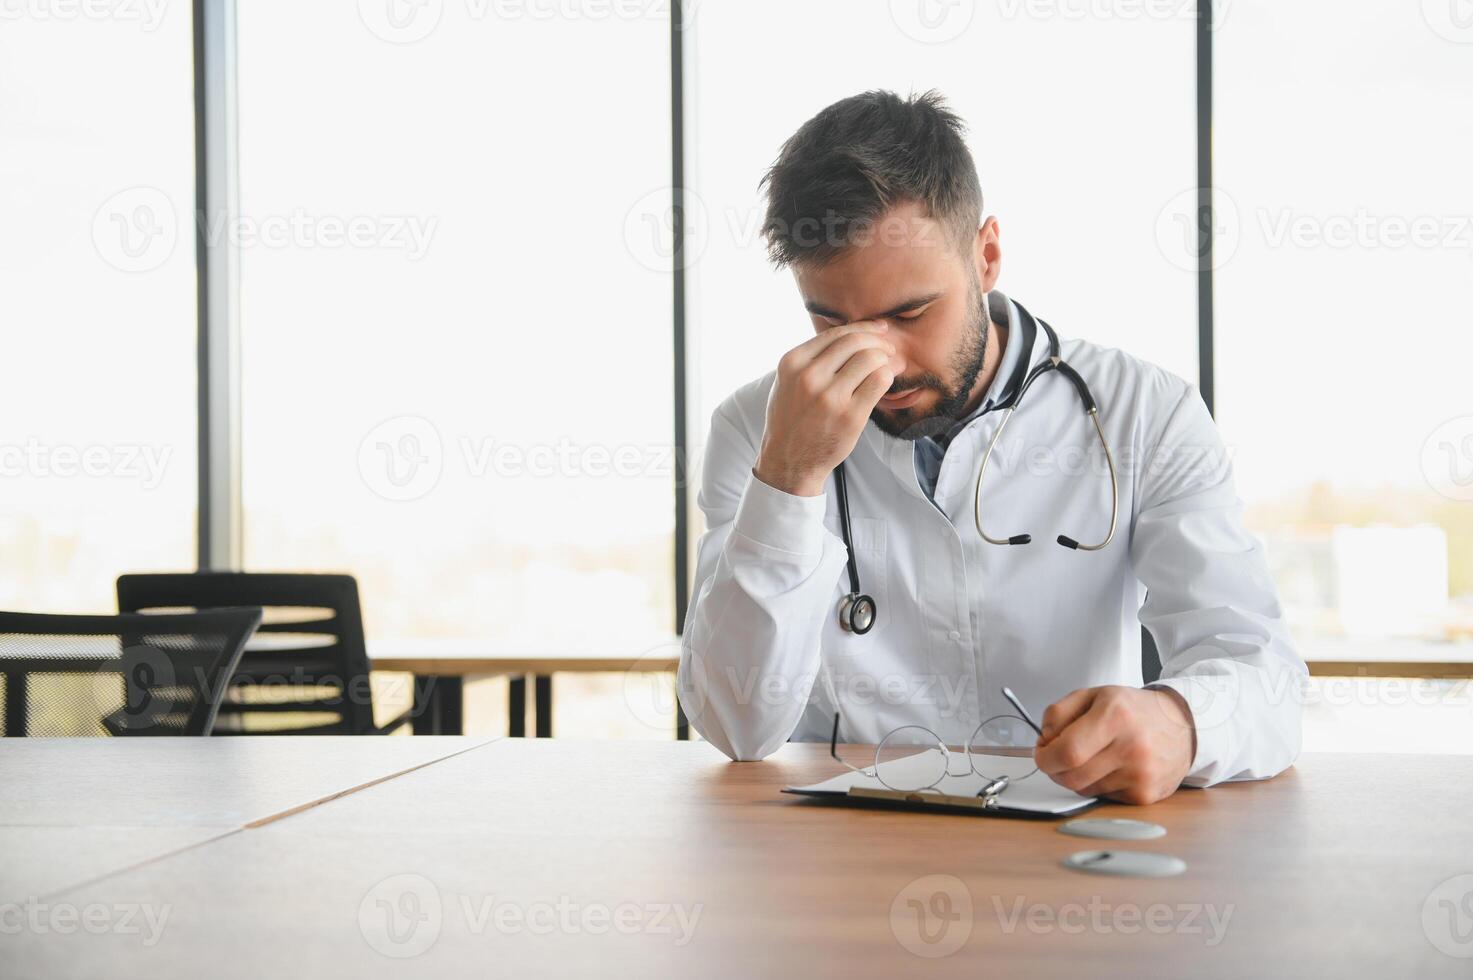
{"x":906,"y":318}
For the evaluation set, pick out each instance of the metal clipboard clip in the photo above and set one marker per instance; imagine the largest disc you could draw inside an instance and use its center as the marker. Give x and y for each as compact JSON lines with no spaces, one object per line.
{"x":986,"y":798}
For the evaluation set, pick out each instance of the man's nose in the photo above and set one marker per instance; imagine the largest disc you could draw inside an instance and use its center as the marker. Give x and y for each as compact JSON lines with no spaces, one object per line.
{"x":899,"y":361}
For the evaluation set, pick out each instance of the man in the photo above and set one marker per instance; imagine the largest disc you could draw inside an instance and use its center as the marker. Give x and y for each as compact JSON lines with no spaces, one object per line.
{"x":916,"y":358}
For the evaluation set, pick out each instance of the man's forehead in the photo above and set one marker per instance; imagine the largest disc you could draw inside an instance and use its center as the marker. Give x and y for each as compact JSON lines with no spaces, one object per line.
{"x":902,"y":250}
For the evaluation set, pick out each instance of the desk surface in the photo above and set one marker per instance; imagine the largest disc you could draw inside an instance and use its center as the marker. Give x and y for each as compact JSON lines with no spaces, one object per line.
{"x":549,"y":858}
{"x":72,"y":809}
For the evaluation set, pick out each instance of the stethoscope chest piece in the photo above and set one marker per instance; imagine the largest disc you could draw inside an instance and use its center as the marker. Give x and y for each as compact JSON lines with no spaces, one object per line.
{"x":857,"y":613}
{"x":857,"y":608}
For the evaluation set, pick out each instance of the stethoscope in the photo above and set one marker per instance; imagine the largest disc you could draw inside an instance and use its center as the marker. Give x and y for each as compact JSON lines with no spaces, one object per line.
{"x":857,"y":610}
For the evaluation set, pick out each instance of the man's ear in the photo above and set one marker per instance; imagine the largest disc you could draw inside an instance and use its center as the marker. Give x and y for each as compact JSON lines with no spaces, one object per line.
{"x":987,"y":254}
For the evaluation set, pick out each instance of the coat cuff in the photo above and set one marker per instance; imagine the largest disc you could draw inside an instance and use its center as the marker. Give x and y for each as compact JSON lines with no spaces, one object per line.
{"x":781,"y":521}
{"x":1212,"y":737}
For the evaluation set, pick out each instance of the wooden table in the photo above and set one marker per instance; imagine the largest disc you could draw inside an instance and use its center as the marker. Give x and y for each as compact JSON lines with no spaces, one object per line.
{"x":73,"y":809}
{"x":550,"y":858}
{"x":440,"y":667}
{"x":1449,"y":665}
{"x":1403,"y":657}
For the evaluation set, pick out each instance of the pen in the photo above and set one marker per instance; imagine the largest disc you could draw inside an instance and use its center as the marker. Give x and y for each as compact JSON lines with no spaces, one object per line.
{"x":1022,"y":711}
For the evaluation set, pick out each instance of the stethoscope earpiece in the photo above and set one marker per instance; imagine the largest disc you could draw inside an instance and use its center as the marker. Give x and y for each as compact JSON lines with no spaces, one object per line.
{"x":1055,"y":363}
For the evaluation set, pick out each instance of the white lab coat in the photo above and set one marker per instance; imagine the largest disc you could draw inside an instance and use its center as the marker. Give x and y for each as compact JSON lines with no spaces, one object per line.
{"x":958,"y":617}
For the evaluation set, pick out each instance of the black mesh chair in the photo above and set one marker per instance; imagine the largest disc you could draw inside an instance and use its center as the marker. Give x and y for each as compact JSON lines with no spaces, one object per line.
{"x":306,"y":670}
{"x":118,"y":675}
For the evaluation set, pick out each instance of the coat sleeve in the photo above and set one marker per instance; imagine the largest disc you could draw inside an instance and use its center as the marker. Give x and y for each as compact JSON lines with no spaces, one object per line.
{"x":1211,"y":605}
{"x":765,"y":575}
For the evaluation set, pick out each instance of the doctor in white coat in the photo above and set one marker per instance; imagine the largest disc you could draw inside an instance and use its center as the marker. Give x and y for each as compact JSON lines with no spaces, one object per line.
{"x":915,"y":361}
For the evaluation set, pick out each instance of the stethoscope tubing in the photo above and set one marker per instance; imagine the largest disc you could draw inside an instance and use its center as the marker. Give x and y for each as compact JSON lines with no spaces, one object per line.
{"x":856,"y":599}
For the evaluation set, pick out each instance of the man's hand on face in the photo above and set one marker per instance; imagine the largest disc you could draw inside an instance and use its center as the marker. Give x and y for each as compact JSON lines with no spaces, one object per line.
{"x":1132,"y":745}
{"x":825,"y":390}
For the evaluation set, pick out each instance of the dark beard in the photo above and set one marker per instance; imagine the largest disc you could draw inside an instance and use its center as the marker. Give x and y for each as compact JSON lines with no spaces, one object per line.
{"x":966,"y":364}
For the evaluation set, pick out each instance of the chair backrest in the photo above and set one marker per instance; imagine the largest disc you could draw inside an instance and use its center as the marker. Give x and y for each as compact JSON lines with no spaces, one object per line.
{"x":1150,"y":658}
{"x":306,"y":669}
{"x":118,"y":675}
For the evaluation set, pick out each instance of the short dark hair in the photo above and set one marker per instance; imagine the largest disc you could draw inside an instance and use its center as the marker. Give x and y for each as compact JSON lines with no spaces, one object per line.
{"x":852,"y":162}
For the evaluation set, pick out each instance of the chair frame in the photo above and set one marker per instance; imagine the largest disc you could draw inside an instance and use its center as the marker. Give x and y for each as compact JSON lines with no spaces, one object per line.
{"x":343,"y":663}
{"x":237,"y":624}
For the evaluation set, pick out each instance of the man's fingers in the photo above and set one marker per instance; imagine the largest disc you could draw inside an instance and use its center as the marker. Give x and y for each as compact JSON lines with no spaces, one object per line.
{"x":1099,"y":766}
{"x":861,"y":366}
{"x":1117,"y":781}
{"x":1086,"y":737}
{"x":873,"y":388}
{"x":831,"y":360}
{"x":800,"y":356}
{"x":1062,"y":712}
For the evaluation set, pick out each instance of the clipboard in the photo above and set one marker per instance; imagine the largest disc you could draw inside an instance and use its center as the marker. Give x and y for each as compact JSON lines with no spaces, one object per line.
{"x":1031,"y":797}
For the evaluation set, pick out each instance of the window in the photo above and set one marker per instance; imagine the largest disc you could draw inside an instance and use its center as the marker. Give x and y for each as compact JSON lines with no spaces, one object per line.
{"x":1343,"y":284}
{"x":456,"y":367}
{"x":97,"y":301}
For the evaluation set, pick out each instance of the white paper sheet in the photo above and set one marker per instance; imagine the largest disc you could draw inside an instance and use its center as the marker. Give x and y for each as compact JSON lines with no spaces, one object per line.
{"x":1036,"y":793}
